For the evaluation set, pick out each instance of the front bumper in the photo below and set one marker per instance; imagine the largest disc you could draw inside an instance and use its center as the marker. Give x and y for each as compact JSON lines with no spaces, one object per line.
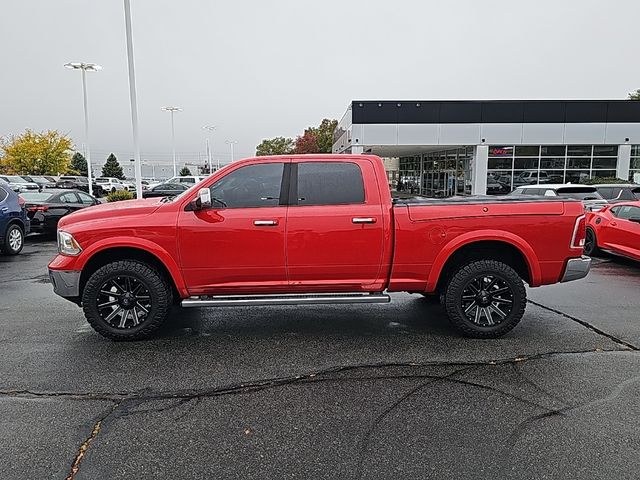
{"x":66,"y":283}
{"x":576,"y":269}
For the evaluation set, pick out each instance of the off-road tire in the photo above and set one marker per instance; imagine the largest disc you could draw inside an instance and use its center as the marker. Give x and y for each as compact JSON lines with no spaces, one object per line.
{"x":12,"y":234}
{"x":160,"y":293}
{"x":463,"y":278}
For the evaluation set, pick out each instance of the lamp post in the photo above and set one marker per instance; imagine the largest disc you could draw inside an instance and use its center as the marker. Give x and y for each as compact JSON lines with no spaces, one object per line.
{"x":210,"y":129}
{"x":133,"y":98}
{"x":231,"y":143}
{"x":84,"y":68}
{"x":173,"y":110}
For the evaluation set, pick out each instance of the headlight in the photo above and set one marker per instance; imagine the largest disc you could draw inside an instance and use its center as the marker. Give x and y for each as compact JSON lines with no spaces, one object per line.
{"x":67,"y":245}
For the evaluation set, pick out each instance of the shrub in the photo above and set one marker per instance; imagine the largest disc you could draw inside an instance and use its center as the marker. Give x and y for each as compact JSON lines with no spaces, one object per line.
{"x":604,"y":180}
{"x":119,"y":195}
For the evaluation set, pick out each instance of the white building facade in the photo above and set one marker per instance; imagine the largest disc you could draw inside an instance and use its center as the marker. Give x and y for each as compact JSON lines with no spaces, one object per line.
{"x":450,"y":148}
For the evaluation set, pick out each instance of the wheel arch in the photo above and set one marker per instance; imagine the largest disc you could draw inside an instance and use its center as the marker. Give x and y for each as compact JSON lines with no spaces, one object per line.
{"x":504,"y":247}
{"x":160,"y":260}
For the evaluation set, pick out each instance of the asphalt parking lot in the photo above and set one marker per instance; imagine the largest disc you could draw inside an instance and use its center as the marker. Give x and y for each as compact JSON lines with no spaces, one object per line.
{"x":362,"y":392}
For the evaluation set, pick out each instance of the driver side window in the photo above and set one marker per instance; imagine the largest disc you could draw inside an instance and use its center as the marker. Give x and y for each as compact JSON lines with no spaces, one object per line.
{"x":248,"y":187}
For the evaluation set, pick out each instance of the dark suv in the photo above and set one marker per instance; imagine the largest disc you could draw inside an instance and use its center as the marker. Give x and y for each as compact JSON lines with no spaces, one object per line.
{"x":14,"y":223}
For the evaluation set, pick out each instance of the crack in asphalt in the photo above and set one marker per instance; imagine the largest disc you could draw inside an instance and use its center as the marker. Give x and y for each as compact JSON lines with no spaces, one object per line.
{"x":84,"y":446}
{"x":256,"y":385}
{"x":588,"y":325}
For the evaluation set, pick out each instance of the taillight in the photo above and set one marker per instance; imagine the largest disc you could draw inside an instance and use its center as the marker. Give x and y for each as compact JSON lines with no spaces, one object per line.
{"x":579,"y":232}
{"x":39,"y":208}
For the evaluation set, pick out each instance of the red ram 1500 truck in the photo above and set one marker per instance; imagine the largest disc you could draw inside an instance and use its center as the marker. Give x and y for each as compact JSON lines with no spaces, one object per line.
{"x":313,"y":229}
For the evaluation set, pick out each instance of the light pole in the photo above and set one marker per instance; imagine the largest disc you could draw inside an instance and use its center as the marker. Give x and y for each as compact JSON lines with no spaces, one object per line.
{"x":84,"y":68}
{"x":173,"y":110}
{"x":210,"y":129}
{"x":231,"y":143}
{"x":133,"y":98}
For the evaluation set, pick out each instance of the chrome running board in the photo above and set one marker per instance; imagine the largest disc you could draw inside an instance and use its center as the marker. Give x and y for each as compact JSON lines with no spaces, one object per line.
{"x":287,"y":299}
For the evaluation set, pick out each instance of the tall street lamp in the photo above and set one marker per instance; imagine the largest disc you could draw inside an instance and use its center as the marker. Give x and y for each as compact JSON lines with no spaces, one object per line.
{"x":210,"y":129}
{"x":231,"y":143}
{"x":173,"y":110}
{"x":133,"y":97}
{"x":84,"y":68}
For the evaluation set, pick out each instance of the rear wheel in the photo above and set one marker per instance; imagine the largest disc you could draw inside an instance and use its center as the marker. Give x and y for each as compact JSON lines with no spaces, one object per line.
{"x":13,"y":240}
{"x":590,"y":243}
{"x":485,"y":299}
{"x":126,"y":300}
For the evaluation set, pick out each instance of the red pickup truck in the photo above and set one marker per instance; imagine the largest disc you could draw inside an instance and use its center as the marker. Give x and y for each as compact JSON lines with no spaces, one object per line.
{"x":313,"y":229}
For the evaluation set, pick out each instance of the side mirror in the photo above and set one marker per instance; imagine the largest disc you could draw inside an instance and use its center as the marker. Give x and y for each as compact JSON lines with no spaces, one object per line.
{"x":203,"y":200}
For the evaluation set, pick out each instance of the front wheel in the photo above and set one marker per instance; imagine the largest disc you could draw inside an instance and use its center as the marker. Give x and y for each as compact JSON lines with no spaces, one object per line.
{"x":485,"y":299}
{"x":13,"y":240}
{"x":126,"y":300}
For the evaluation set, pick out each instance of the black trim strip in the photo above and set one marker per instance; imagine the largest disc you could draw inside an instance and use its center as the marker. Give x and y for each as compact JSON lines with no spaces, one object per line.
{"x":284,"y":185}
{"x":293,"y":185}
{"x":496,"y":111}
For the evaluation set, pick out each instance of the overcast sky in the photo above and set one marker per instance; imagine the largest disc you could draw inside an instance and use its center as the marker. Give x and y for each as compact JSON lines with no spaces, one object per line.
{"x":259,"y":69}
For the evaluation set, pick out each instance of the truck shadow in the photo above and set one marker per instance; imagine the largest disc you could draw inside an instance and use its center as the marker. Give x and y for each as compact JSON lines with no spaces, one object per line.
{"x":407,"y":314}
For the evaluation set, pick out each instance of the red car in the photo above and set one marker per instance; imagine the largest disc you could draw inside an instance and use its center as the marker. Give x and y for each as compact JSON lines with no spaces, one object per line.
{"x":614,"y":229}
{"x":313,"y":229}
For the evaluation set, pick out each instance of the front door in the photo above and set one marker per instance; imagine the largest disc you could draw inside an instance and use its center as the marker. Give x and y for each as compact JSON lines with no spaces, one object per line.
{"x":335,"y":229}
{"x":238,"y":245}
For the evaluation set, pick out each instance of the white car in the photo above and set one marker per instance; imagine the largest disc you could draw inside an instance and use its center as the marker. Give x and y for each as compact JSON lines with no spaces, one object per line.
{"x":110,"y":184}
{"x":190,"y":179}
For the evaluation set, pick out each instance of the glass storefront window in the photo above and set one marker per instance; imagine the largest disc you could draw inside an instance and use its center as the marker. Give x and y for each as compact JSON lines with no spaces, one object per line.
{"x":526,"y":162}
{"x":528,"y":151}
{"x":634,"y":176}
{"x":635,"y":150}
{"x":580,"y":162}
{"x":577,"y":176}
{"x":605,"y":151}
{"x":500,"y":163}
{"x":553,"y":150}
{"x":579,"y":150}
{"x":635,"y":163}
{"x":552,"y":162}
{"x":603,"y":174}
{"x":607,"y":162}
{"x":500,"y":151}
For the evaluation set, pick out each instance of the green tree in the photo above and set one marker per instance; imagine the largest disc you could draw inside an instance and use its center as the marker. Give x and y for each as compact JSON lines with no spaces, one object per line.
{"x":324,"y":135}
{"x":275,"y":146}
{"x":78,"y":165}
{"x":36,"y":153}
{"x":185,"y":172}
{"x":634,"y":95}
{"x":112,"y":168}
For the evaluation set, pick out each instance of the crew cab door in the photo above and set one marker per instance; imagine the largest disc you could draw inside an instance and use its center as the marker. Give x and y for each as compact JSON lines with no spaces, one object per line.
{"x":238,"y":245}
{"x":335,"y":228}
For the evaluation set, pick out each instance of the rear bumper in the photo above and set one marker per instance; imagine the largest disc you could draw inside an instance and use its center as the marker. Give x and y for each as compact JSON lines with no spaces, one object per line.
{"x":66,"y":283}
{"x":576,"y":269}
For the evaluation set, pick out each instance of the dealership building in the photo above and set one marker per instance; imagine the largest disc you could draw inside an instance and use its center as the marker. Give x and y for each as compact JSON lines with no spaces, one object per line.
{"x":445,"y":148}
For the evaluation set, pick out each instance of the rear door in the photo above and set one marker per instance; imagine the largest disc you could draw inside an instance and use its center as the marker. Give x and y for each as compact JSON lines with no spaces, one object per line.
{"x":335,"y":229}
{"x":624,"y":234}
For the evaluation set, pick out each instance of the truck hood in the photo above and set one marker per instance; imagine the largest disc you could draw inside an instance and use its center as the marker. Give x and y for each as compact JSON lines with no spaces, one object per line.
{"x":112,"y":210}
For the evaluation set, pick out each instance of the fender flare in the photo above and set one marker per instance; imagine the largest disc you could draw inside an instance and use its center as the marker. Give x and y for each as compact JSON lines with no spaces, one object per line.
{"x":530,"y":257}
{"x":142,"y":244}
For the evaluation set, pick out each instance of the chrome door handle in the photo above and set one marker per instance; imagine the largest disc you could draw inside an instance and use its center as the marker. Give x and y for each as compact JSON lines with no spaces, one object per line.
{"x":265,"y":223}
{"x":363,"y":220}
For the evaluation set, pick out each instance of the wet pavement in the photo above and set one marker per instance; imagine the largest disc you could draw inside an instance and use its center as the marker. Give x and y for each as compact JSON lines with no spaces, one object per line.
{"x":354,"y":392}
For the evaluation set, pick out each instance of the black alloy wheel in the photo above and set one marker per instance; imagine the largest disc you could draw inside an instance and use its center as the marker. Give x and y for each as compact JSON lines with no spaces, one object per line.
{"x":485,"y":299}
{"x":590,"y":243}
{"x":126,"y":300}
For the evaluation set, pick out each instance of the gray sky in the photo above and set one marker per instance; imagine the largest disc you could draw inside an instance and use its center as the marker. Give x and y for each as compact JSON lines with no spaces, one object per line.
{"x":258,"y":69}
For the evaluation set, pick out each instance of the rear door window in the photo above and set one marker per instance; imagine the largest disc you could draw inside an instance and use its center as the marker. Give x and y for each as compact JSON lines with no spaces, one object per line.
{"x":3,"y":194}
{"x":69,"y":197}
{"x":329,"y":183}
